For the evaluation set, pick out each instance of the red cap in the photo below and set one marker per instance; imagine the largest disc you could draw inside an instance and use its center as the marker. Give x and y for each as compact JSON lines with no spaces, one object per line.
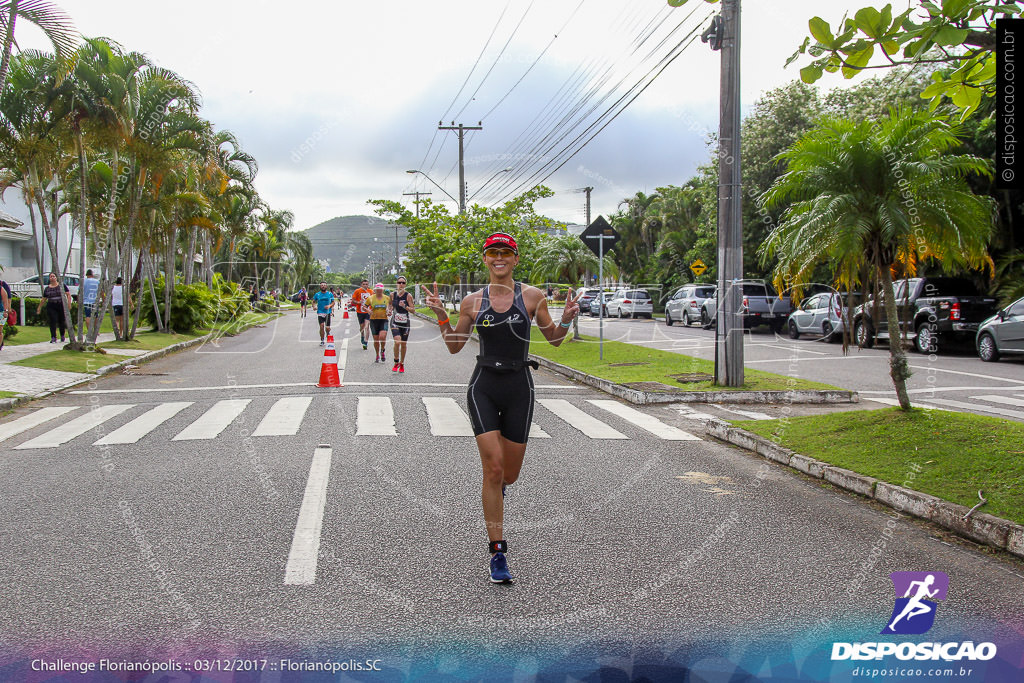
{"x":501,"y":239}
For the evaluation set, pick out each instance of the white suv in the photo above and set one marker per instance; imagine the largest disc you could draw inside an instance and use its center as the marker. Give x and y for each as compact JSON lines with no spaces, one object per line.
{"x":626,"y":303}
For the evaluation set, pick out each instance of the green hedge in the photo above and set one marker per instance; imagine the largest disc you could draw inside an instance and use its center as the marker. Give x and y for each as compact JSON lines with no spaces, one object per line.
{"x":196,"y":306}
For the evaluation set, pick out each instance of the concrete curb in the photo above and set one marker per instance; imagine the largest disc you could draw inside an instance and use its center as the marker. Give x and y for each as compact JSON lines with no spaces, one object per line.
{"x":980,"y":527}
{"x":11,"y":403}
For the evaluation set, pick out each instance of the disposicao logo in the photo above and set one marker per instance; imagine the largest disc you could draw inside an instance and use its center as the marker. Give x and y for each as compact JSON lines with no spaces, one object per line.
{"x":916,"y":593}
{"x":914,"y":614}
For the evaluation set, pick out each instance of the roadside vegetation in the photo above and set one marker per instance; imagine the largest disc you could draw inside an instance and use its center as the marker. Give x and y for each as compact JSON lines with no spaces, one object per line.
{"x":958,"y":453}
{"x":100,"y":133}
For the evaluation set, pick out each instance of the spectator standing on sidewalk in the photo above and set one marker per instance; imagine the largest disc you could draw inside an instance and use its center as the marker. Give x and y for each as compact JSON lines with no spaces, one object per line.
{"x":55,"y":295}
{"x":90,"y":291}
{"x":117,"y":303}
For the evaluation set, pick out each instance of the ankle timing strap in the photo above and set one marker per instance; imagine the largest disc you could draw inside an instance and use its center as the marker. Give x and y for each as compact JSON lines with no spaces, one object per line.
{"x":498,"y":547}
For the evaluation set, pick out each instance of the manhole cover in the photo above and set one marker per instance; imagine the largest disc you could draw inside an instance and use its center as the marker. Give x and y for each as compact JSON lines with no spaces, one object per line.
{"x":625,"y":365}
{"x":693,"y":377}
{"x":651,"y":386}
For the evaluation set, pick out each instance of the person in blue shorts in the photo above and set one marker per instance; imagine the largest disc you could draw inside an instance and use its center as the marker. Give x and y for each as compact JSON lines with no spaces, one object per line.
{"x":324,"y":304}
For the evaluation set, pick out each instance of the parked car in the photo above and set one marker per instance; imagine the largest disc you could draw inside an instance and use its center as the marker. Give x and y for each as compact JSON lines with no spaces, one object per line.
{"x":30,"y":286}
{"x":685,"y":303}
{"x":932,"y":311}
{"x":761,"y":305}
{"x":1002,"y":333}
{"x":626,"y":303}
{"x":585,"y":299}
{"x":819,"y":314}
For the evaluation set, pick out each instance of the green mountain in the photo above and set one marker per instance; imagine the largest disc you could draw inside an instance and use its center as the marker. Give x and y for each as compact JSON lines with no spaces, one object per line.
{"x":349,"y":243}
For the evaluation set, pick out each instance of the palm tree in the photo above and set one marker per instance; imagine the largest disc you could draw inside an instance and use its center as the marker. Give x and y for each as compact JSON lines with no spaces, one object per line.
{"x":566,"y":259}
{"x":48,"y":17}
{"x":878,"y":198}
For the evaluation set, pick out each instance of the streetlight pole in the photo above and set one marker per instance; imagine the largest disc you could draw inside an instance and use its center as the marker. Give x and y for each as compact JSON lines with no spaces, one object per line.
{"x":435,"y":185}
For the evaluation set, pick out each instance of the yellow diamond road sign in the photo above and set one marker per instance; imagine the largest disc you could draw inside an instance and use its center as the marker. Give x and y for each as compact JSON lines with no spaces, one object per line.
{"x":698,"y":267}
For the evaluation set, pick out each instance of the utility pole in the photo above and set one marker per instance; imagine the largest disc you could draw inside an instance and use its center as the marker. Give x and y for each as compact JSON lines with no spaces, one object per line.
{"x":588,"y":190}
{"x":462,"y":167}
{"x":404,"y":194}
{"x":724,"y":34}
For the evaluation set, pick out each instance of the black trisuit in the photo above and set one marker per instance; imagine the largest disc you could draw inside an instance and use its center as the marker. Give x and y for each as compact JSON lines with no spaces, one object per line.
{"x":501,"y":391}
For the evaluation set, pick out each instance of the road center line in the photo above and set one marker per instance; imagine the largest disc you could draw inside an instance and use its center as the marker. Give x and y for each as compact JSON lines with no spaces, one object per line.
{"x":301,"y":567}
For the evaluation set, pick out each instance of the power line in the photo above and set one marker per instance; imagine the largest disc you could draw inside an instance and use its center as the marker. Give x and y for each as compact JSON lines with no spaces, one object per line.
{"x":537,"y":140}
{"x":570,"y":121}
{"x":617,"y":107}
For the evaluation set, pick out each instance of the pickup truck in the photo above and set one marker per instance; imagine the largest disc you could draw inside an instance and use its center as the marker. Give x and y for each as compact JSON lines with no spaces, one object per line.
{"x":932,"y":311}
{"x":761,"y":305}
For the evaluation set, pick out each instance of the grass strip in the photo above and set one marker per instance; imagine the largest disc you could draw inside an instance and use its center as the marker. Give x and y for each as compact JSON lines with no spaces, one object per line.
{"x":958,"y":453}
{"x":652,"y":365}
{"x":70,"y":361}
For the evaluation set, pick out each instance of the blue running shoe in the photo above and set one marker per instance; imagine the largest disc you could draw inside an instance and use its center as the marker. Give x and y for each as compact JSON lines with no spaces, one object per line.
{"x":499,"y":569}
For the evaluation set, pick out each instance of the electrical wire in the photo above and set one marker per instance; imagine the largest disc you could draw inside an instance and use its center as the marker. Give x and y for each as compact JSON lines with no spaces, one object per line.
{"x":571,"y":121}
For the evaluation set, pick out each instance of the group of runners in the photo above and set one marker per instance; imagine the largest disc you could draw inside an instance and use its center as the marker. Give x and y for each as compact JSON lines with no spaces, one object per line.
{"x":375,"y":309}
{"x":500,"y":396}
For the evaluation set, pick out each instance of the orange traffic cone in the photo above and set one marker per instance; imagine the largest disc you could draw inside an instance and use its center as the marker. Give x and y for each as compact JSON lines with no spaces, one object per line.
{"x":345,"y":308}
{"x":329,"y":368}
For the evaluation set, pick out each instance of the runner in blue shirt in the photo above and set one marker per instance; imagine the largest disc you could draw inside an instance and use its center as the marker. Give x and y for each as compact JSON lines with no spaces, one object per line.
{"x":324,"y":304}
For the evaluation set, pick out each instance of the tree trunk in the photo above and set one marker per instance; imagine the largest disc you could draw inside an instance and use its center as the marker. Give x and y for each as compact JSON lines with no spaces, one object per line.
{"x":152,"y":293}
{"x":35,"y":235}
{"x":54,"y":259}
{"x":79,"y":338}
{"x":12,"y":16}
{"x":188,"y":264}
{"x":899,"y":370}
{"x":169,"y":277}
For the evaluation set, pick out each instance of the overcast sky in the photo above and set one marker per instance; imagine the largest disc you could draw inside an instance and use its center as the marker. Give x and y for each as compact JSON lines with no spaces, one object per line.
{"x":336,"y":100}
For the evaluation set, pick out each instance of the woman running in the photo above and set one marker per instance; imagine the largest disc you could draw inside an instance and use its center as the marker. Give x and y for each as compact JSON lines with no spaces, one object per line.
{"x":402,"y":305}
{"x":379,"y":305}
{"x":500,"y":396}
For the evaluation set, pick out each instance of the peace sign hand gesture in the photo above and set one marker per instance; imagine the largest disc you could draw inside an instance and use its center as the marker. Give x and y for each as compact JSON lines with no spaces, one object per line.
{"x":434,"y":303}
{"x":572,"y":306}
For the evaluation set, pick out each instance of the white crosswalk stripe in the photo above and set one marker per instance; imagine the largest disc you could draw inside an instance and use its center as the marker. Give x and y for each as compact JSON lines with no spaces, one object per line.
{"x":284,"y":418}
{"x":143,"y":424}
{"x":1005,"y":400}
{"x":59,"y":436}
{"x":586,"y":423}
{"x":644,"y":421}
{"x":446,"y":417}
{"x":973,"y":407}
{"x":23,"y":424}
{"x":213,"y":421}
{"x":375,"y":417}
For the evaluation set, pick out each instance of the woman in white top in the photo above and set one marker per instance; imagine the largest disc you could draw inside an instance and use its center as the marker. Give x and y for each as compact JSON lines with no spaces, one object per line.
{"x":117,"y":301}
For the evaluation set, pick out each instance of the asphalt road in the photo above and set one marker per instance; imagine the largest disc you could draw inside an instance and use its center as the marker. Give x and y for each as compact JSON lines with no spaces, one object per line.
{"x":953,"y":380}
{"x":324,"y":536}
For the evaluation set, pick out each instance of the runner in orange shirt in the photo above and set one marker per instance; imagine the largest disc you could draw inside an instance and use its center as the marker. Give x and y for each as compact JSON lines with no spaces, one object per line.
{"x":362,"y":311}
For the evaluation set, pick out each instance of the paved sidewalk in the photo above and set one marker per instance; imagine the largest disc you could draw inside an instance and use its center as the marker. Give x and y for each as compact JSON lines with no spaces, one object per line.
{"x":36,"y":380}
